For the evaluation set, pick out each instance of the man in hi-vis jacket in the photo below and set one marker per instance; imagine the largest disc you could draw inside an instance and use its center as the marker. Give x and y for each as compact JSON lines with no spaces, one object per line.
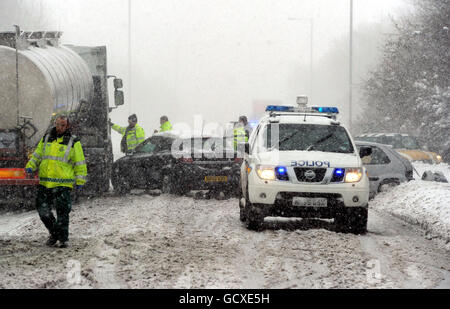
{"x":60,"y":161}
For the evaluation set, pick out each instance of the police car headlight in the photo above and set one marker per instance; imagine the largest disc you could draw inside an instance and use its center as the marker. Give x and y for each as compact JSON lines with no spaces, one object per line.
{"x":265,"y":172}
{"x":353,"y":174}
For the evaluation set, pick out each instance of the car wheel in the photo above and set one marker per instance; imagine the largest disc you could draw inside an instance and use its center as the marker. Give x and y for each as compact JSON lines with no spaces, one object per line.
{"x":352,"y":220}
{"x":387,"y":185}
{"x":167,"y":186}
{"x":121,"y":186}
{"x":242,"y":202}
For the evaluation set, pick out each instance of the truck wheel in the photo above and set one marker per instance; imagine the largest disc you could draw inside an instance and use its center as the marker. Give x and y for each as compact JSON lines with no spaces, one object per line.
{"x":352,"y":220}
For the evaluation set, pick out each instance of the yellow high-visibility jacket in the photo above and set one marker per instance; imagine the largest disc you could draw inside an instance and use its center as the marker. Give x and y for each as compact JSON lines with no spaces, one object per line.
{"x":60,"y":161}
{"x":135,"y":136}
{"x":166,"y":126}
{"x":240,"y":136}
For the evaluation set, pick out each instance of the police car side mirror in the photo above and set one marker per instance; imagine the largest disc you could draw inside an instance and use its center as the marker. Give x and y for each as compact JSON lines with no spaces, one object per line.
{"x":365,"y":151}
{"x":247,"y":148}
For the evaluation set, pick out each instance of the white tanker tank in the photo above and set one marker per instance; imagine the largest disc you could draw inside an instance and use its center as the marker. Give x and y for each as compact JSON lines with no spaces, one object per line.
{"x":48,"y":79}
{"x":40,"y":78}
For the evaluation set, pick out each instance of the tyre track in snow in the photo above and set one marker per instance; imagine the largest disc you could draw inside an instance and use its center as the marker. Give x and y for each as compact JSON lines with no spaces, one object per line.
{"x":142,"y":241}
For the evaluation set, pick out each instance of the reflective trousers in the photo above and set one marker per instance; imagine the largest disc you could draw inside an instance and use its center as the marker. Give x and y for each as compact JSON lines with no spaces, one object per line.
{"x":60,"y":198}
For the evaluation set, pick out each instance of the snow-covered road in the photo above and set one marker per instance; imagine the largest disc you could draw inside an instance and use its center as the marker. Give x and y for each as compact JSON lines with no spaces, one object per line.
{"x":143,"y":241}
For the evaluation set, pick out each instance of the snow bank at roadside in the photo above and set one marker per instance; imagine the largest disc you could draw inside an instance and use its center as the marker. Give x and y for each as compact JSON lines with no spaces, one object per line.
{"x":444,"y":168}
{"x":425,"y":203}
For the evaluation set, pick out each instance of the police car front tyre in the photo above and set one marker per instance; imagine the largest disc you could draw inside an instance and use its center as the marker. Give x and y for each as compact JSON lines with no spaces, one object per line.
{"x":254,"y":220}
{"x":352,"y":220}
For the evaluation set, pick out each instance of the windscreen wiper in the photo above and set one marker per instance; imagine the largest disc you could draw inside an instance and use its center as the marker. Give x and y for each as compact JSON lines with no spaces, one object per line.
{"x":310,"y":147}
{"x":284,"y":139}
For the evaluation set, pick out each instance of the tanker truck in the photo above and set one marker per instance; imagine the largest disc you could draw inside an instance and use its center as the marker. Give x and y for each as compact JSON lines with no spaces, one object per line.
{"x":39,"y":79}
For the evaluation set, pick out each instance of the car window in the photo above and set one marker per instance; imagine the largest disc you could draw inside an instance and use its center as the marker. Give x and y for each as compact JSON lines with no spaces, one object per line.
{"x":378,"y":157}
{"x":410,"y":142}
{"x":146,"y":148}
{"x":154,"y":144}
{"x":307,"y":137}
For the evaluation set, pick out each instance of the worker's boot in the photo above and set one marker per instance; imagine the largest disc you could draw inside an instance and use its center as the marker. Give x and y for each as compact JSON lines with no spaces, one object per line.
{"x":51,"y":241}
{"x":63,"y":244}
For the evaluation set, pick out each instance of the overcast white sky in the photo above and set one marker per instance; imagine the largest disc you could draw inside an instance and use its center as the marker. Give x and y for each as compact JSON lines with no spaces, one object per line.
{"x":209,"y":57}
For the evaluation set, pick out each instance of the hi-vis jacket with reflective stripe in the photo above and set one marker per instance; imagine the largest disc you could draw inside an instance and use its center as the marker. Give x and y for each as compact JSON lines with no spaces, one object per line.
{"x":60,"y":161}
{"x":135,"y":136}
{"x":166,"y":126}
{"x":240,"y":136}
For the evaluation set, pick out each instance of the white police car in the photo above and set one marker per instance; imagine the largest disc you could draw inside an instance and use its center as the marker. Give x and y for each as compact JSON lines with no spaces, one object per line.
{"x":301,"y":162}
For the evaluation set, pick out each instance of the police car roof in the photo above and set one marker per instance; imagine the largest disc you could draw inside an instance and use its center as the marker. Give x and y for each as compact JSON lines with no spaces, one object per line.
{"x":300,"y":118}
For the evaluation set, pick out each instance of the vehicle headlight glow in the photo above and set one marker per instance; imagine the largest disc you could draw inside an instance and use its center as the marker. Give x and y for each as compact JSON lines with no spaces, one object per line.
{"x":353,"y":174}
{"x":439,"y":158}
{"x":265,"y":172}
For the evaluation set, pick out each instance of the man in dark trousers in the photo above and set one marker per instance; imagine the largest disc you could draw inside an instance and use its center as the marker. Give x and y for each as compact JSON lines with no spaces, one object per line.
{"x":60,"y":160}
{"x":132,"y":135}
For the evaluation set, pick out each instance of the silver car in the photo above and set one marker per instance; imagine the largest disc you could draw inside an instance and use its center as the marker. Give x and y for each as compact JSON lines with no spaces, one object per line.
{"x":386,"y":167}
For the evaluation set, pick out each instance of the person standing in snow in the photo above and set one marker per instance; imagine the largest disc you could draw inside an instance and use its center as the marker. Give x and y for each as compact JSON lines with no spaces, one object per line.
{"x":132,"y":135}
{"x":241,"y":131}
{"x":165,"y":124}
{"x":60,"y":160}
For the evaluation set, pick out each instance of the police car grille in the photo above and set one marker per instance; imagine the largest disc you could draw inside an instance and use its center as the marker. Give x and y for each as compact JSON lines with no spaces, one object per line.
{"x":302,"y":174}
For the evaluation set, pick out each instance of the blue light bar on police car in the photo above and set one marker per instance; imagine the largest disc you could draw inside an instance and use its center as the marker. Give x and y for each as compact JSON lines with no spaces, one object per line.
{"x":326,"y":110}
{"x":313,"y":109}
{"x":278,"y":108}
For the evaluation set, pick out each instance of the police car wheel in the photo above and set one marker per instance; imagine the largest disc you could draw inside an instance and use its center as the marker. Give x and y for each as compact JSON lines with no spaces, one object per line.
{"x":352,"y":220}
{"x":253,"y":218}
{"x":241,"y":206}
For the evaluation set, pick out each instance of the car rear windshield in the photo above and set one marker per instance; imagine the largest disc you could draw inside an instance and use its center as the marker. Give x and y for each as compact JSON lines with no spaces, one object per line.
{"x":307,"y":137}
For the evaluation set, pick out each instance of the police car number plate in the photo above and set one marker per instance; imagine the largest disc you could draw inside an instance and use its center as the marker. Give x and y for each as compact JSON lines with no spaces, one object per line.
{"x":309,"y":201}
{"x":216,"y":178}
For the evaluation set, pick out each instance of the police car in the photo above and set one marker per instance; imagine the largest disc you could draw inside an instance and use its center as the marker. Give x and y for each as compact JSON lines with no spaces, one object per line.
{"x":301,"y":162}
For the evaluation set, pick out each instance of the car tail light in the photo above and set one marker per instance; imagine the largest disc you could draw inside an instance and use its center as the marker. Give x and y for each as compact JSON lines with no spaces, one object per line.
{"x":186,"y":160}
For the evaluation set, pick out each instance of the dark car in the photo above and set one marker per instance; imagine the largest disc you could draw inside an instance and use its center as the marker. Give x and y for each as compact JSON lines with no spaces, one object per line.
{"x":178,"y":165}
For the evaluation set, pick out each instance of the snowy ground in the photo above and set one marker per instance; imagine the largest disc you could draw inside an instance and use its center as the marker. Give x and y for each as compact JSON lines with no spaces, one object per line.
{"x":421,"y":202}
{"x":143,"y":241}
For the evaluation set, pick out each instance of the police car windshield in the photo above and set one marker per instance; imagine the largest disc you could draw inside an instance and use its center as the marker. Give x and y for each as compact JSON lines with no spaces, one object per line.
{"x":307,"y":137}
